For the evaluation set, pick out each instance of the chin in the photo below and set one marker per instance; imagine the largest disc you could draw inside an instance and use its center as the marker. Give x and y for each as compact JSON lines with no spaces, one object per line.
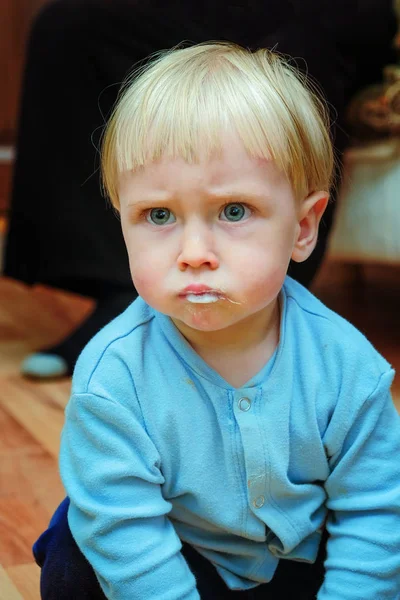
{"x":205,"y":327}
{"x":203,"y":320}
{"x":202,"y":324}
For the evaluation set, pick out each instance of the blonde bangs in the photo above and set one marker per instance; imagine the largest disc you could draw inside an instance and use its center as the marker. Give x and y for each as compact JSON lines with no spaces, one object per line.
{"x":185,"y":100}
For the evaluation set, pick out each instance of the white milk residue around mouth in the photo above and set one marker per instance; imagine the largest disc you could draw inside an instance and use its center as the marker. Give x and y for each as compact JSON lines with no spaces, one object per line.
{"x":205,"y":298}
{"x":209,"y":297}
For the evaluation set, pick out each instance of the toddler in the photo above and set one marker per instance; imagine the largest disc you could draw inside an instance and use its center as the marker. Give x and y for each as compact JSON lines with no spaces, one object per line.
{"x":228,"y":436}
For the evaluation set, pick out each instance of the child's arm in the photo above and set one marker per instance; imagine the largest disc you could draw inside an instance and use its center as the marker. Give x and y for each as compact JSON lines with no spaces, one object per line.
{"x":363,"y":490}
{"x":118,"y":516}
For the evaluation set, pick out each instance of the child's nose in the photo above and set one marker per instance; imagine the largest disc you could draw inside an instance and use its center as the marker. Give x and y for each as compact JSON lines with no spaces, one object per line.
{"x":197,"y":248}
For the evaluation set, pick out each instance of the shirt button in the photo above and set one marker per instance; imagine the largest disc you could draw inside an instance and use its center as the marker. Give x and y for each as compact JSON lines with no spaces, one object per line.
{"x":259,"y":502}
{"x":244,"y":404}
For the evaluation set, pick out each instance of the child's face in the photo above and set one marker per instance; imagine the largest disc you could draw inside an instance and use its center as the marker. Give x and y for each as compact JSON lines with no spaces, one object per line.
{"x":209,"y":244}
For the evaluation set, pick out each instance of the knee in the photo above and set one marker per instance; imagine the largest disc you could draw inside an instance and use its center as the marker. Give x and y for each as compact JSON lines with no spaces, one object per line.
{"x":52,"y":552}
{"x":66,"y":574}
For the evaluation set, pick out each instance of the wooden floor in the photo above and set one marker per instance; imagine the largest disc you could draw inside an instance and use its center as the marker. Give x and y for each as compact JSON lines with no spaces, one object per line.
{"x":31,"y":413}
{"x":31,"y":417}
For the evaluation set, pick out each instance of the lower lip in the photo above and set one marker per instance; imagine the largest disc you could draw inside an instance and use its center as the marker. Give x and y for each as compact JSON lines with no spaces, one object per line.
{"x":202,"y":298}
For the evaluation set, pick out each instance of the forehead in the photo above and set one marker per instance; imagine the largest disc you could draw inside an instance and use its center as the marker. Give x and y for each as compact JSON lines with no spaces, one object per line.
{"x":232,"y":168}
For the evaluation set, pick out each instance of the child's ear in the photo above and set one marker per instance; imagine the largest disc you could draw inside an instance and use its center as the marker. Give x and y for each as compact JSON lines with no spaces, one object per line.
{"x":310,"y":213}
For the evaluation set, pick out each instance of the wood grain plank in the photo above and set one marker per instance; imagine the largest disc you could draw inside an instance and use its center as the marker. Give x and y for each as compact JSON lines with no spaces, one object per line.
{"x":21,"y":523}
{"x":13,"y":437}
{"x":7,"y":589}
{"x":30,"y":490}
{"x":35,"y":409}
{"x":32,"y":476}
{"x":26,"y":579}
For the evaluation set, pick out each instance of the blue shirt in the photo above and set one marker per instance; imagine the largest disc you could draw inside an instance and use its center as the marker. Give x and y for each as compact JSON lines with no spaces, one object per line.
{"x":157,"y":447}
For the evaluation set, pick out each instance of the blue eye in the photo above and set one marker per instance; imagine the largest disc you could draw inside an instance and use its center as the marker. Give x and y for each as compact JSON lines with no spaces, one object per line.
{"x":160,"y":216}
{"x":234,"y":212}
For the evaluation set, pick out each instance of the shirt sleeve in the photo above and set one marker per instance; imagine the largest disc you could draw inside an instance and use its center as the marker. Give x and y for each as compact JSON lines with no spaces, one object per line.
{"x":363,"y":560}
{"x":118,"y":516}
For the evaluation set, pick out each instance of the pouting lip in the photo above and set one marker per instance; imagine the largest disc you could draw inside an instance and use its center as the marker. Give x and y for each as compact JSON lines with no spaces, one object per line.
{"x":198,"y":289}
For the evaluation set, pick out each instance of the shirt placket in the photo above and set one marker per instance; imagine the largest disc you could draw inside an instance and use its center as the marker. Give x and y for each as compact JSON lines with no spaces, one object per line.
{"x":245,"y":411}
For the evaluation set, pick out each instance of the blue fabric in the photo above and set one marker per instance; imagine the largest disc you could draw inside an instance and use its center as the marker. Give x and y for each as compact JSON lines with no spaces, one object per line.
{"x":159,"y":448}
{"x":67,"y":575}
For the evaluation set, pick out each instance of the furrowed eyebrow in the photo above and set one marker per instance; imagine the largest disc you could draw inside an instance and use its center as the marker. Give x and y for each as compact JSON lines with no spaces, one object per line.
{"x":224,"y":197}
{"x":149,"y":203}
{"x":238,"y":197}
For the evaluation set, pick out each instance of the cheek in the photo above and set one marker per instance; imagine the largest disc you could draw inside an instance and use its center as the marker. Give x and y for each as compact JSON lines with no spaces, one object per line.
{"x":144,"y":278}
{"x":262,"y":260}
{"x":262,"y":270}
{"x":148,"y":269}
{"x":265,"y":283}
{"x":143,"y":282}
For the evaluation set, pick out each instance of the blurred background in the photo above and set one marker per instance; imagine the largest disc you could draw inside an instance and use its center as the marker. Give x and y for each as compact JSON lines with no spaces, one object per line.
{"x":15,"y":22}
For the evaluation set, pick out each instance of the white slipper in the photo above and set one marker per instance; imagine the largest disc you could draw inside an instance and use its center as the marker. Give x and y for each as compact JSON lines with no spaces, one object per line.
{"x":42,"y":365}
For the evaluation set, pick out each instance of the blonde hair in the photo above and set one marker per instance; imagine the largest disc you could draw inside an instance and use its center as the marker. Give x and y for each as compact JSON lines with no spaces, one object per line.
{"x":181,"y":103}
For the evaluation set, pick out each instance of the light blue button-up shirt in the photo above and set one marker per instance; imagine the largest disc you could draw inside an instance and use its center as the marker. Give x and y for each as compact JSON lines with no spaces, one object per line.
{"x":157,"y":448}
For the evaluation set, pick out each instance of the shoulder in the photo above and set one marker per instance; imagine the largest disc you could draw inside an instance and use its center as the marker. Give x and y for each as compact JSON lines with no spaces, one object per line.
{"x":329,"y":339}
{"x":106,"y":360}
